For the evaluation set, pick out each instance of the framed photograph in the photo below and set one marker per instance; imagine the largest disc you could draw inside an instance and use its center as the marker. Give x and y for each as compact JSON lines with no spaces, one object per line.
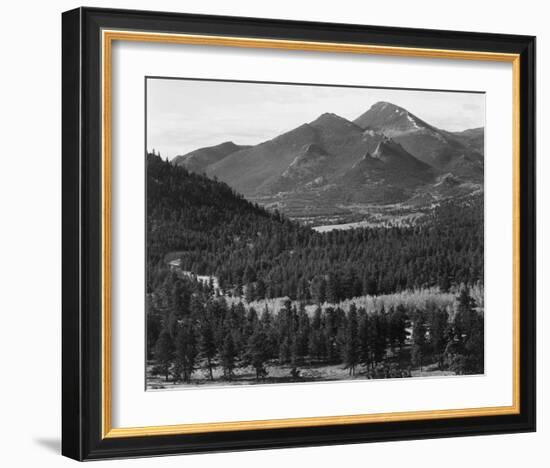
{"x":282,"y":234}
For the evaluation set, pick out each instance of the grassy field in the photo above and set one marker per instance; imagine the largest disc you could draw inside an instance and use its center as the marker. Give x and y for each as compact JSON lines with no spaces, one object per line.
{"x":417,"y":298}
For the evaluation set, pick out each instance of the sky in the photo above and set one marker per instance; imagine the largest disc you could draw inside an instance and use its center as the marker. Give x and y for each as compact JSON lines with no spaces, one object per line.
{"x":184,"y":115}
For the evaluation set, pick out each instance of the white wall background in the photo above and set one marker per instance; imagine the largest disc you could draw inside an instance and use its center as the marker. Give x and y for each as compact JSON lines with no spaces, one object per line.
{"x":30,"y":232}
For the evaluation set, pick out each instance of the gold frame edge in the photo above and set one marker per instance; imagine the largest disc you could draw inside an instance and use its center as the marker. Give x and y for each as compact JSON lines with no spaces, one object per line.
{"x":107,"y":37}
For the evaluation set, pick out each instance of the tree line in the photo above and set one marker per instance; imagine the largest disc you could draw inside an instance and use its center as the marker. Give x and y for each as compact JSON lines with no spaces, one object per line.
{"x":191,"y":332}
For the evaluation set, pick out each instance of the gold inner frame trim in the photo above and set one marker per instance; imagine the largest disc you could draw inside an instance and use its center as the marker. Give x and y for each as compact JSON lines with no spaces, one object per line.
{"x":107,"y":38}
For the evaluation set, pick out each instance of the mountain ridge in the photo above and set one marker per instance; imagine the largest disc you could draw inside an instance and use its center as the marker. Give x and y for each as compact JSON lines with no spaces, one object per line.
{"x":385,"y":156}
{"x":199,"y":159}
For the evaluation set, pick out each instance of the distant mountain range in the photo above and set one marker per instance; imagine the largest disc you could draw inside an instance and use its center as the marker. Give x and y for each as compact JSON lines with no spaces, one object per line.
{"x":386,"y":156}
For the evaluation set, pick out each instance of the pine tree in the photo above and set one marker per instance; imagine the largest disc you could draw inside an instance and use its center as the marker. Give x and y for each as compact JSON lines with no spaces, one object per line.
{"x":468,"y":325}
{"x":256,"y":353}
{"x":370,"y":285}
{"x":154,"y":328}
{"x":398,"y":326}
{"x":208,"y":345}
{"x":316,"y":338}
{"x":249,"y":292}
{"x":319,"y":289}
{"x":465,"y":315}
{"x":164,"y":352}
{"x":251,"y":323}
{"x":365,"y":340}
{"x":303,"y":290}
{"x":351,"y":345}
{"x":267,"y":324}
{"x":418,"y":351}
{"x":341,"y":328}
{"x":301,"y":337}
{"x":228,"y":356}
{"x":379,"y":335}
{"x":179,"y":300}
{"x":196,"y":306}
{"x":260,"y":289}
{"x":439,"y":337}
{"x":474,"y":347}
{"x":249,"y":275}
{"x":237,"y":326}
{"x":333,"y":288}
{"x":285,"y":350}
{"x":331,"y":334}
{"x":444,"y":282}
{"x":186,"y":350}
{"x":349,"y":283}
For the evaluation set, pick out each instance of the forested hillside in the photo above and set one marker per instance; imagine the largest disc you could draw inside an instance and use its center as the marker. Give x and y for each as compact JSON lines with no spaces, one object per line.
{"x":214,"y":231}
{"x":202,"y":331}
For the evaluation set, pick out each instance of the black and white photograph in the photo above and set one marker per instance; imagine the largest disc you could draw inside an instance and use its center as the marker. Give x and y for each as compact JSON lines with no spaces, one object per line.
{"x":288,"y":230}
{"x":305,"y":233}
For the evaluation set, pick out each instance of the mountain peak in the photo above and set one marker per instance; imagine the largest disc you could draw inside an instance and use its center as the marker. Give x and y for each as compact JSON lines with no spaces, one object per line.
{"x":331,"y":119}
{"x":388,"y":111}
{"x":391,"y":119}
{"x":386,"y":106}
{"x":227,"y":144}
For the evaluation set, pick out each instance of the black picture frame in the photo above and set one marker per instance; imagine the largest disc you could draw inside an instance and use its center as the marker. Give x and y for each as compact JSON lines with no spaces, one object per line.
{"x":82,"y":226}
